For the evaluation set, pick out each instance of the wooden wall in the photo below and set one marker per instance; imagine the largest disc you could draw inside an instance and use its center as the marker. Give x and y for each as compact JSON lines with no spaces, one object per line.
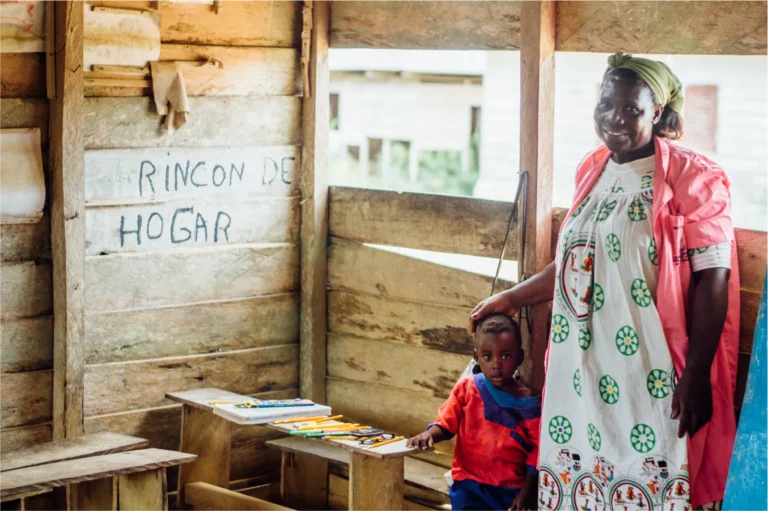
{"x":26,"y":293}
{"x":699,"y":27}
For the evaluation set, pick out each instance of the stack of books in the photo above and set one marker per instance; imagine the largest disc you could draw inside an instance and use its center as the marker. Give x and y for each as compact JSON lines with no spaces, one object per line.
{"x":263,"y":411}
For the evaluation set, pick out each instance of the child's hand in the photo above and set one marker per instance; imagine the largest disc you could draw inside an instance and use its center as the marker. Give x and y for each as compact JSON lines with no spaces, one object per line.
{"x":422,"y":441}
{"x":526,"y":499}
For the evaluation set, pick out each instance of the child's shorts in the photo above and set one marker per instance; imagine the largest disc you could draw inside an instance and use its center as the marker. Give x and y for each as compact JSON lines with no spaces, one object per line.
{"x":468,"y":494}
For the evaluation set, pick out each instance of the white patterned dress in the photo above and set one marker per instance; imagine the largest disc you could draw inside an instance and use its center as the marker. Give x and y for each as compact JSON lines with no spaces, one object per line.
{"x":607,"y":440}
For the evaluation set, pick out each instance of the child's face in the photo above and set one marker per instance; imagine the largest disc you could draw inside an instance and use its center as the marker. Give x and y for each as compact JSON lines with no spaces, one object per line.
{"x":498,"y":356}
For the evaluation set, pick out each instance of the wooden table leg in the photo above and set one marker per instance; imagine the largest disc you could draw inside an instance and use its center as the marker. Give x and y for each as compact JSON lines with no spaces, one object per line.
{"x":96,"y":495}
{"x":143,"y":491}
{"x":374,"y":483}
{"x":304,"y":482}
{"x":210,"y":437}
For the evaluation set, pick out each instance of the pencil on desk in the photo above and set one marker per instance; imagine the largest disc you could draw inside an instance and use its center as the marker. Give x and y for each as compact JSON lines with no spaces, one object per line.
{"x":301,"y":419}
{"x":340,"y":438}
{"x":385,"y":442}
{"x":225,"y":402}
{"x":329,"y":426}
{"x":331,"y":418}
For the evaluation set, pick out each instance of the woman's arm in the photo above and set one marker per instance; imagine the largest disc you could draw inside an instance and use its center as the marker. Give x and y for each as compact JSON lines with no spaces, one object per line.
{"x":538,"y":289}
{"x":692,"y":400}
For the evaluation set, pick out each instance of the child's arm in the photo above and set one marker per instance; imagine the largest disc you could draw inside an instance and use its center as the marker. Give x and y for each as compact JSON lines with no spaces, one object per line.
{"x":428,"y":439}
{"x":526,"y":499}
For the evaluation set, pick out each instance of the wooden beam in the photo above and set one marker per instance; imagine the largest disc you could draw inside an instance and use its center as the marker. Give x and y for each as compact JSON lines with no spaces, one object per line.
{"x":314,"y":210}
{"x":208,"y":496}
{"x":68,"y":220}
{"x":537,"y":119}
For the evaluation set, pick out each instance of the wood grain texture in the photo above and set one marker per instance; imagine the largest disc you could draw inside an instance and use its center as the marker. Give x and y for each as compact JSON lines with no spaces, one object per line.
{"x":26,"y":289}
{"x":22,"y":75}
{"x":157,"y":279}
{"x":190,"y":224}
{"x":238,"y":24}
{"x":314,"y":204}
{"x":26,"y":344}
{"x":303,"y":481}
{"x":752,"y":252}
{"x":25,"y":113}
{"x":114,"y":123}
{"x":426,"y":25}
{"x":25,"y":436}
{"x":195,"y":329}
{"x":26,"y":398}
{"x":25,"y":242}
{"x":355,"y":267}
{"x":338,"y":495}
{"x":143,"y":491}
{"x":67,"y":206}
{"x":58,"y":474}
{"x":385,"y":363}
{"x":716,"y":28}
{"x":375,"y":483}
{"x":243,"y":72}
{"x":132,"y":385}
{"x":428,"y":222}
{"x":537,"y":141}
{"x":208,"y":496}
{"x":94,"y":495}
{"x":210,"y":438}
{"x":430,"y":326}
{"x":130,"y":176}
{"x":750,"y":305}
{"x":69,"y":449}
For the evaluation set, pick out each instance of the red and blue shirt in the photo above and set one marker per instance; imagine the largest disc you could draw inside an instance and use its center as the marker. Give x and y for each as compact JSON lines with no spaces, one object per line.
{"x":497,"y":433}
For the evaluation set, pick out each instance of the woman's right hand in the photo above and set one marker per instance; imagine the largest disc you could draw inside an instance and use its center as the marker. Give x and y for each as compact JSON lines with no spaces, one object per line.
{"x":501,"y":303}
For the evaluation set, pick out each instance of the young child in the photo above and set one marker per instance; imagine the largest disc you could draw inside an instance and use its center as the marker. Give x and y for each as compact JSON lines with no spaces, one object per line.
{"x":496,"y":419}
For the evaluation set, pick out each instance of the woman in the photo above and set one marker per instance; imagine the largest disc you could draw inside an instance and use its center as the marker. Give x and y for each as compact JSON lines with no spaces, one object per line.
{"x":645,"y":313}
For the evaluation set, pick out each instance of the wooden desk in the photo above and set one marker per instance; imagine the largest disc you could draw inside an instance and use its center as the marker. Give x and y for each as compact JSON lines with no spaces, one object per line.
{"x":375,"y":475}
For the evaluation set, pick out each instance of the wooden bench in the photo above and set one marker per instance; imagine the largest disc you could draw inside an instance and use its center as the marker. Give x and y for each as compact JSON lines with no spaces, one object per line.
{"x":101,"y":471}
{"x":426,"y":486}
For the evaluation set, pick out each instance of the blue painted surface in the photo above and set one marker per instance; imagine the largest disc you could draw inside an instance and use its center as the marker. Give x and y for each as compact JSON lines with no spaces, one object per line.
{"x":747,"y":487}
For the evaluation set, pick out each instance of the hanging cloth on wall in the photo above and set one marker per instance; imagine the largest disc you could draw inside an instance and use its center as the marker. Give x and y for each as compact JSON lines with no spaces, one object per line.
{"x":168,"y":87}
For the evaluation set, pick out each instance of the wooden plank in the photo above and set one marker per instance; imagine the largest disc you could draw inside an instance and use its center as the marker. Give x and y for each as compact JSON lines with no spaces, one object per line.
{"x":42,"y":502}
{"x":314,"y":204}
{"x":304,"y":481}
{"x":158,"y":279}
{"x":95,"y":495}
{"x":69,"y":449}
{"x":430,"y":326}
{"x":132,"y":385}
{"x":208,"y":496}
{"x":22,"y":75}
{"x":188,"y":223}
{"x":375,"y":483}
{"x":26,"y":398}
{"x":195,"y":329}
{"x":24,"y":436}
{"x":25,"y":113}
{"x":752,"y":252}
{"x":53,"y":475}
{"x":355,"y":267}
{"x":126,"y":176}
{"x":26,"y":344}
{"x":750,"y":305}
{"x":238,"y":24}
{"x":428,"y":222}
{"x":713,"y":28}
{"x":426,"y":25}
{"x":143,"y":491}
{"x":25,"y":242}
{"x":338,"y":495}
{"x":537,"y":129}
{"x":201,"y":398}
{"x":26,"y":289}
{"x":114,"y":123}
{"x":741,"y":379}
{"x":243,"y":72}
{"x":385,"y":363}
{"x":210,"y":438}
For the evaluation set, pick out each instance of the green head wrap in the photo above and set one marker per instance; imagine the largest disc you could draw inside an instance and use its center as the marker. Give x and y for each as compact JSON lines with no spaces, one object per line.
{"x":657,"y":75}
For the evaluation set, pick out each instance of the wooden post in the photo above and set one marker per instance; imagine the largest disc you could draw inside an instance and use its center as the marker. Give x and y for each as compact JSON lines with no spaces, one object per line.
{"x":537,"y":119}
{"x":210,"y":437}
{"x":376,"y":483}
{"x":68,"y":220}
{"x":143,"y":491}
{"x":314,"y":210}
{"x":96,"y":495}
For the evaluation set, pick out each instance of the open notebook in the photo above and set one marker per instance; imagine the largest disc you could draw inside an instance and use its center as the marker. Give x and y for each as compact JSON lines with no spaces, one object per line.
{"x":266,"y":415}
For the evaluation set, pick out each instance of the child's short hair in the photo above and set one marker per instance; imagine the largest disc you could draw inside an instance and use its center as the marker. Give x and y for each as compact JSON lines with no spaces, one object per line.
{"x":498,"y":323}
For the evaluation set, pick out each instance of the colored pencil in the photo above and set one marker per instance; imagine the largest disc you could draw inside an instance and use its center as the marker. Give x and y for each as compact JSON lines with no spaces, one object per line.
{"x":385,"y":442}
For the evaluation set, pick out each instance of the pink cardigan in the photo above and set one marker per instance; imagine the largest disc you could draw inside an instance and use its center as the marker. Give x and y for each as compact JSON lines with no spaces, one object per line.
{"x":691,"y":209}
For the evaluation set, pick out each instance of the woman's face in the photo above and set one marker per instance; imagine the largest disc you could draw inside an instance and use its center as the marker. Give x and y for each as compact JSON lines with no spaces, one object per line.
{"x":625,"y":115}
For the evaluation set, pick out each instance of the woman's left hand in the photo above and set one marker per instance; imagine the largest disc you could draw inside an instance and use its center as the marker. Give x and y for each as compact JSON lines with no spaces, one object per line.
{"x":692,"y":402}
